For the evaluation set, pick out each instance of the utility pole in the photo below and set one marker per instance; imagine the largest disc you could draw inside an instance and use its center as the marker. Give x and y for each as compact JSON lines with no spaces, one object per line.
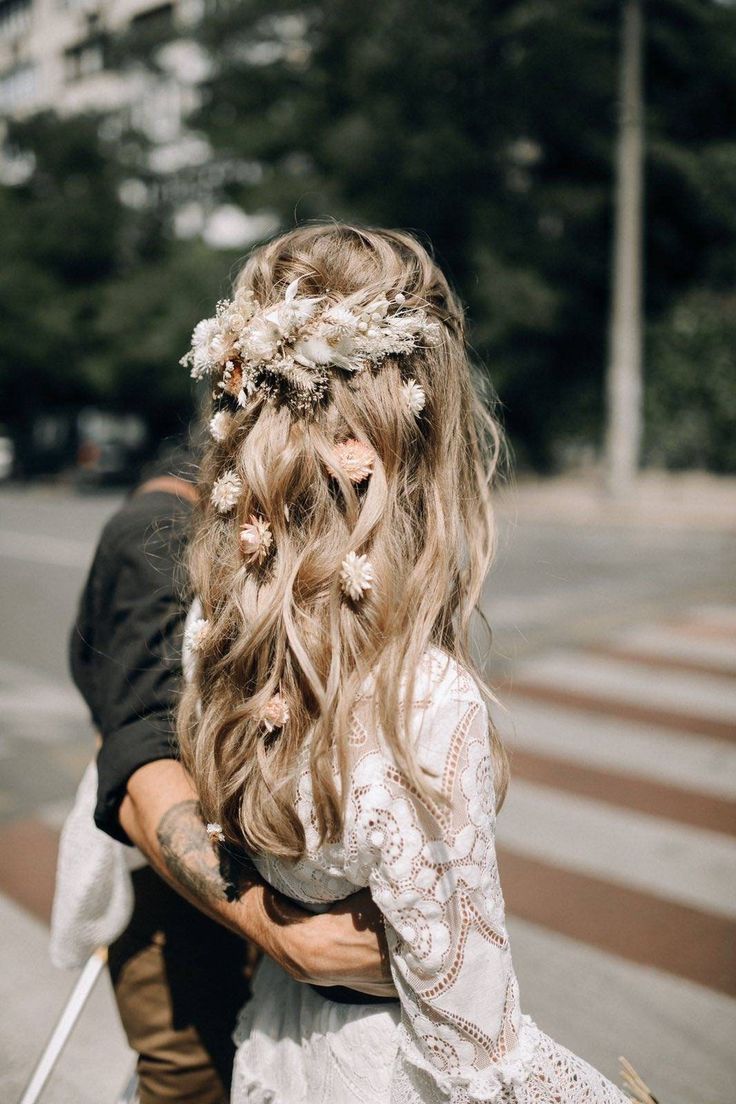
{"x":624,"y":378}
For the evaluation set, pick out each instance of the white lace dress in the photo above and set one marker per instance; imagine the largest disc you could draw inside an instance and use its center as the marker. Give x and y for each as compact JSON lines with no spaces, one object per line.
{"x":457,"y":1034}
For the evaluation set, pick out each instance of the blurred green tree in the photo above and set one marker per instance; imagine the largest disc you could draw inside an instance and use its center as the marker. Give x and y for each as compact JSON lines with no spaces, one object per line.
{"x":97,"y":296}
{"x":487,"y":126}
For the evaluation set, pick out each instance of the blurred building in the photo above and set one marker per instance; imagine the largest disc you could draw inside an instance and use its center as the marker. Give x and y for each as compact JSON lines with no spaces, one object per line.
{"x":75,"y":56}
{"x":56,"y":54}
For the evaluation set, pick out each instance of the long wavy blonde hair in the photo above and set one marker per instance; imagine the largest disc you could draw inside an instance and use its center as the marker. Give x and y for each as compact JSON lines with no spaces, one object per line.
{"x":424,"y":518}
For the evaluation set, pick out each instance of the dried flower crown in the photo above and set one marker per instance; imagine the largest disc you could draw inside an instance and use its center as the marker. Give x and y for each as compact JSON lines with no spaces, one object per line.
{"x":285,"y":350}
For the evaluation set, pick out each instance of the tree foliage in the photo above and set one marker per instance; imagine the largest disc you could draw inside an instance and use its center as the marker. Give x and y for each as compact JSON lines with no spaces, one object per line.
{"x":487,"y":126}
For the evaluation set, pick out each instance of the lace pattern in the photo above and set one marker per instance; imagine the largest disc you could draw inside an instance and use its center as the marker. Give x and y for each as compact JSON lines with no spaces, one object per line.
{"x":431,"y":866}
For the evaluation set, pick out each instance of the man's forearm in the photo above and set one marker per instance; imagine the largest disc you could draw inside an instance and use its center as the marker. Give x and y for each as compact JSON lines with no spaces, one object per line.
{"x":161,"y":815}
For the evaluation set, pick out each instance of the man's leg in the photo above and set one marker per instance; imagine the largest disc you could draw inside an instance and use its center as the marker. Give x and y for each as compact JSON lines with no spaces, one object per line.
{"x":179,"y":980}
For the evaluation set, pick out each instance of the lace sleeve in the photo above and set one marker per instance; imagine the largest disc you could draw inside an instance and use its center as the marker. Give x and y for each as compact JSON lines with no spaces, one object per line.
{"x":431,"y":866}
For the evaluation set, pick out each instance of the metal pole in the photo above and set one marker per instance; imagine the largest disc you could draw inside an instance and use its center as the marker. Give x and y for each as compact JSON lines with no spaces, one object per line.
{"x":624,"y":382}
{"x":64,"y":1026}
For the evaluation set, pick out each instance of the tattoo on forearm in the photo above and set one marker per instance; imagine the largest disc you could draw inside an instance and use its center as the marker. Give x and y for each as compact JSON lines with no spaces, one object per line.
{"x":210,"y":873}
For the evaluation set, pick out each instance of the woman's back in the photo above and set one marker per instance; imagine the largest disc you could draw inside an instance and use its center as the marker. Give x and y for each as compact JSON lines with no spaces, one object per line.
{"x":430,"y":864}
{"x":346,"y":527}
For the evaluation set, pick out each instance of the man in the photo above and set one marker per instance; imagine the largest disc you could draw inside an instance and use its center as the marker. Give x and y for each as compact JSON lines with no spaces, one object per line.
{"x":180,"y":977}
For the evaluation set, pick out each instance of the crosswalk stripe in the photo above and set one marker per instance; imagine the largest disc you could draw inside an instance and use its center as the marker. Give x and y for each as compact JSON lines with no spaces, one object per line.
{"x":660,"y":643}
{"x":570,"y":698}
{"x":723,"y":616}
{"x":28,"y":865}
{"x":627,"y":791}
{"x":702,"y":696}
{"x":659,"y":660}
{"x":651,"y":1016}
{"x":633,"y":924}
{"x":690,"y":866}
{"x":705,"y":765}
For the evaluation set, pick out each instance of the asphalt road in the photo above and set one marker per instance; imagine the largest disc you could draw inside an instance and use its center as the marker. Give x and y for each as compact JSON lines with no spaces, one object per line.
{"x":615,"y":644}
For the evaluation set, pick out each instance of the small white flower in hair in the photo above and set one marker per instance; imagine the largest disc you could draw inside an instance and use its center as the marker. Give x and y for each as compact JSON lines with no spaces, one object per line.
{"x":276,"y":713}
{"x":226,"y":491}
{"x":220,"y":425}
{"x":356,"y":576}
{"x":256,"y":539}
{"x":195,"y":635}
{"x":356,"y":460}
{"x":215,"y":832}
{"x":414,"y":397}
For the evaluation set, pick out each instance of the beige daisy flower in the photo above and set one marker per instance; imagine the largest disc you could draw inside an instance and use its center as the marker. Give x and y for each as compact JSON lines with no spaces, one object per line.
{"x":356,"y":576}
{"x":256,"y":539}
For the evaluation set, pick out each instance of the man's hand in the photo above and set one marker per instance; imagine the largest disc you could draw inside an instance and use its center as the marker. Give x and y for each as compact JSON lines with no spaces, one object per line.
{"x":345,"y":946}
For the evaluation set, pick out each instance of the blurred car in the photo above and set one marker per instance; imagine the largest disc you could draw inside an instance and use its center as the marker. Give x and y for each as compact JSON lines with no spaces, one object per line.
{"x":7,"y":454}
{"x":95,"y":447}
{"x":111,"y":448}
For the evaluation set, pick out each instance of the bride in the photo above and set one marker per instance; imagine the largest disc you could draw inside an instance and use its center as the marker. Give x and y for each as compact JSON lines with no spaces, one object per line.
{"x":335,"y":724}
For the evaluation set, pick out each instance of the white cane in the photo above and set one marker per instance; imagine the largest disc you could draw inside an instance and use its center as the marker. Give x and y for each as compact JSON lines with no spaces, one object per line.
{"x":64,"y":1026}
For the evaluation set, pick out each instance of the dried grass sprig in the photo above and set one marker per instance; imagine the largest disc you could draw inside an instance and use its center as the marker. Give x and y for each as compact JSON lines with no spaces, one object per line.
{"x":642,"y":1094}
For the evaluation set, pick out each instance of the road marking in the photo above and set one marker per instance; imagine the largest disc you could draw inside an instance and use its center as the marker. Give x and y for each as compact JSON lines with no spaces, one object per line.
{"x":707,"y":696}
{"x":662,"y":642}
{"x":43,"y":549}
{"x":690,"y":866}
{"x":659,"y":661}
{"x":28,"y":865}
{"x":634,"y":924}
{"x":653,"y":1017}
{"x":703,"y":764}
{"x":627,"y":791}
{"x":721,"y":616}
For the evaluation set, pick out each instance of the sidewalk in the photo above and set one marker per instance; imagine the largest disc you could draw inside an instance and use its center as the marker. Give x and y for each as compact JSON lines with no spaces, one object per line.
{"x":681,"y":500}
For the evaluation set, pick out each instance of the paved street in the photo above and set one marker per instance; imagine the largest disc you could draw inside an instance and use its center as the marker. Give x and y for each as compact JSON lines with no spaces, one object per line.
{"x":614,"y":659}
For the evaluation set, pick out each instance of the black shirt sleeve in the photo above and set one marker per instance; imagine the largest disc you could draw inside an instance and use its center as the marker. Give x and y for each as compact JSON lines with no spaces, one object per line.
{"x":125,"y":647}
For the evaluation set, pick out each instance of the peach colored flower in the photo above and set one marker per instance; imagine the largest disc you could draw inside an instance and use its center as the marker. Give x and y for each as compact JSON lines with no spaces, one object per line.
{"x":356,"y":460}
{"x":276,"y":713}
{"x":256,"y":539}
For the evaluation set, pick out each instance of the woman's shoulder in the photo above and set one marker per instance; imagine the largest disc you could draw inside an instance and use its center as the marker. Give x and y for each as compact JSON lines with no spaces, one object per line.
{"x":443,"y":682}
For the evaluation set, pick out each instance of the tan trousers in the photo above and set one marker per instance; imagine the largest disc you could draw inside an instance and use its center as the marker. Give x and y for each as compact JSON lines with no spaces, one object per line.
{"x":179,"y":981}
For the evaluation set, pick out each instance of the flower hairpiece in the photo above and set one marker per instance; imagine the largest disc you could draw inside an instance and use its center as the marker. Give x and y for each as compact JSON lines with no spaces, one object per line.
{"x":215,"y":832}
{"x":276,"y":713}
{"x":285,"y":350}
{"x":356,"y":576}
{"x":356,"y":460}
{"x":226,"y":491}
{"x":256,"y":539}
{"x":220,"y":425}
{"x":414,"y":397}
{"x":194,"y":636}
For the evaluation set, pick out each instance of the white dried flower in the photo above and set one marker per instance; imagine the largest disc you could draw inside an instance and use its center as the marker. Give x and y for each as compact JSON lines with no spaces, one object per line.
{"x":414,"y":397}
{"x":220,"y":425}
{"x":276,"y":713}
{"x":269,"y":349}
{"x":215,"y":832}
{"x":195,"y":635}
{"x":226,"y":491}
{"x":256,"y":539}
{"x":341,"y":323}
{"x":356,"y":460}
{"x":356,"y":575}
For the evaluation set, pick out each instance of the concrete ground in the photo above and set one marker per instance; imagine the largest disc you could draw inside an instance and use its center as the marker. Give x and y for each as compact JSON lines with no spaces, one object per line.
{"x":614,"y":659}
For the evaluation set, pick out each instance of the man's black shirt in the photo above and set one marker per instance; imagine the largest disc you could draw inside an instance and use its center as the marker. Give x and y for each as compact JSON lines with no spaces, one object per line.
{"x":125,"y":647}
